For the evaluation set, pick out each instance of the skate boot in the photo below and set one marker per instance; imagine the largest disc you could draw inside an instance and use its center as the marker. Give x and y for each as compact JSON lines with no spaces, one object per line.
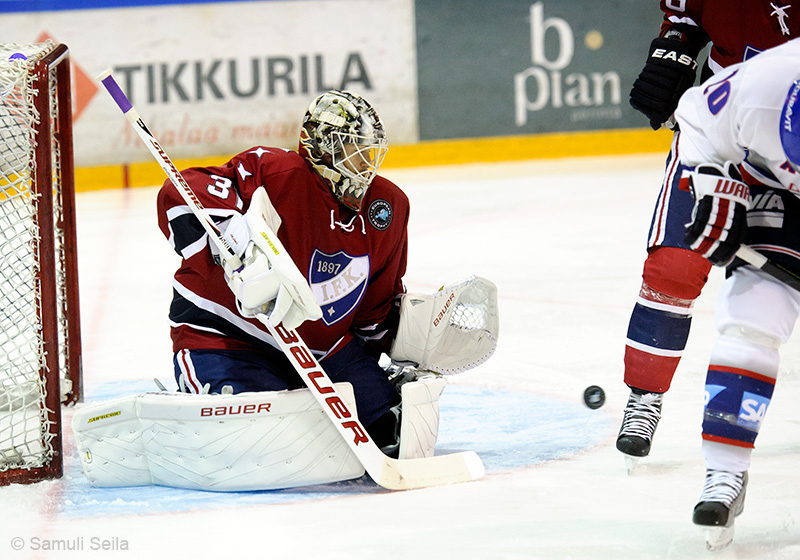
{"x":639,"y":423}
{"x":722,"y":500}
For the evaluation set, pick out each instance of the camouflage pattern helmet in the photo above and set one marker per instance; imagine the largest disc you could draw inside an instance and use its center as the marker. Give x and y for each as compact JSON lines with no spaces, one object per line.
{"x":343,"y":138}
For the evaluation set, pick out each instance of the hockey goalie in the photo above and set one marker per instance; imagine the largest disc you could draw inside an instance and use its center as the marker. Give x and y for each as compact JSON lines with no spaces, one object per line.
{"x":243,"y":418}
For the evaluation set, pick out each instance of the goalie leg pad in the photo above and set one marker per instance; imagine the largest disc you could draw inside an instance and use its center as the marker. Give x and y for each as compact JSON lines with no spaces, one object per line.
{"x":110,"y":445}
{"x":419,"y":421}
{"x":226,"y":443}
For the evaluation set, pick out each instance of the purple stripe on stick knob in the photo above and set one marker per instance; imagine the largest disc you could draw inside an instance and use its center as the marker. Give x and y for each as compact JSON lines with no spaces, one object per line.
{"x":116,"y":92}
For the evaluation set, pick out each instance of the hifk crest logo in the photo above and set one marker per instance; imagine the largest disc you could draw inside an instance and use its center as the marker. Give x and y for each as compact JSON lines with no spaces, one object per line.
{"x":338,"y":282}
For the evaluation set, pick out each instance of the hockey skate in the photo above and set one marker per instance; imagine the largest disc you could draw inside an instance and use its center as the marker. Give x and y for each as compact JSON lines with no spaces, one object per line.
{"x":639,"y":423}
{"x":722,"y":500}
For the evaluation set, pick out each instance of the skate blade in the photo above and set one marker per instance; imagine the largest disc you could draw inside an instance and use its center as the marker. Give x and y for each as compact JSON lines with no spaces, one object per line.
{"x":718,"y":538}
{"x":630,"y":463}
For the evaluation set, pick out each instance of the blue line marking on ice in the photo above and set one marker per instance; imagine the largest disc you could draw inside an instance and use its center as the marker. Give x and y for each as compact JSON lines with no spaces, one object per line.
{"x":509,"y":430}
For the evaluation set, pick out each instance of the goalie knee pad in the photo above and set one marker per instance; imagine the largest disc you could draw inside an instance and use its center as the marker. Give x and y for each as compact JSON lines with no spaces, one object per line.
{"x":419,"y":420}
{"x":409,"y":430}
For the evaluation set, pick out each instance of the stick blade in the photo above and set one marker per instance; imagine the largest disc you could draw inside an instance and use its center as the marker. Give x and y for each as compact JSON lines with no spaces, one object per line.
{"x":439,"y":470}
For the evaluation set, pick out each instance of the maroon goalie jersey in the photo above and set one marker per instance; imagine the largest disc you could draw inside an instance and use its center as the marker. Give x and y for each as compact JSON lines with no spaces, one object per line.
{"x":738,"y":29}
{"x":354,"y":262}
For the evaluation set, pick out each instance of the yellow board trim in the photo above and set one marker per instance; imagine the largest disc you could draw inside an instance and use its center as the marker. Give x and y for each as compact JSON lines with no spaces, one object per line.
{"x":435,"y":152}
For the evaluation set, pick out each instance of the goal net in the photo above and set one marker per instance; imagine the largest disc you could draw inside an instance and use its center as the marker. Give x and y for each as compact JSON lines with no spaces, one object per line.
{"x":40,"y":366}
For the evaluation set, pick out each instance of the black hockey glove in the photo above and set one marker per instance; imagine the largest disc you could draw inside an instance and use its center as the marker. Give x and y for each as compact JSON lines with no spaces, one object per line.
{"x":719,"y":218}
{"x":670,"y":70}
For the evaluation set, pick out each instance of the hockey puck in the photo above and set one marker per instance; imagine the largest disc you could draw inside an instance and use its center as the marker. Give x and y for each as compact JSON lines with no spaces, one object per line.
{"x":594,"y":397}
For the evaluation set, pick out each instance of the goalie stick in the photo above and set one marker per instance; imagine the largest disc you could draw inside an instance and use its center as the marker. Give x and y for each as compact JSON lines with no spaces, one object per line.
{"x":169,"y":168}
{"x":762,"y":263}
{"x":393,"y":474}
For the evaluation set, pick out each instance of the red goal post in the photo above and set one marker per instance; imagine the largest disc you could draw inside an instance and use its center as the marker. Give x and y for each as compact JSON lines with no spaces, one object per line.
{"x":40,"y":343}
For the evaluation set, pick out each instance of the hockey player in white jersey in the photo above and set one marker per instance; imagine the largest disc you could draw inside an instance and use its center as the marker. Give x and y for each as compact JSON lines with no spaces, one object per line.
{"x":740,"y":147}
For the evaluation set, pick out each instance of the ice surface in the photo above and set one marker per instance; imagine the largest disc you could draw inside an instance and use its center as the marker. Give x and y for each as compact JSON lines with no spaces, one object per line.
{"x":564,"y":242}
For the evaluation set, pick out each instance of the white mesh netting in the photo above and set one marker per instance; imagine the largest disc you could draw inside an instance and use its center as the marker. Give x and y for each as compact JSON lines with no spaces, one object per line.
{"x":451,"y":331}
{"x":474,"y":326}
{"x":25,"y":437}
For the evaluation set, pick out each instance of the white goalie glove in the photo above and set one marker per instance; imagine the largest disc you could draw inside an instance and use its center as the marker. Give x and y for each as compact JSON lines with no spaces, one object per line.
{"x":450,"y":331}
{"x":269,"y":282}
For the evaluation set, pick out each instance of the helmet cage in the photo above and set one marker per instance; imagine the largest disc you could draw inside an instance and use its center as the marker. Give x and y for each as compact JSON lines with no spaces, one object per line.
{"x":357,"y":158}
{"x":343,"y":139}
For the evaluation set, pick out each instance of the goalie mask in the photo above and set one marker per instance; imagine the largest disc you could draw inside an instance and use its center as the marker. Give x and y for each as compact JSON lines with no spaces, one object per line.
{"x":343,"y":138}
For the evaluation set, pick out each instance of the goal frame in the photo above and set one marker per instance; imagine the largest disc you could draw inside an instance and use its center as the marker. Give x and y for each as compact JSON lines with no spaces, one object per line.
{"x":55,"y":129}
